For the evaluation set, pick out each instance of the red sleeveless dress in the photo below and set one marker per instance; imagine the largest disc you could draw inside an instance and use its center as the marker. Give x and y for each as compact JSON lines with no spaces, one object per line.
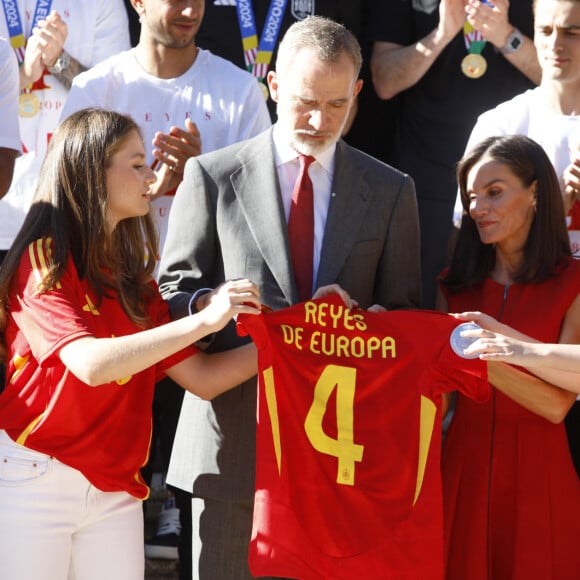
{"x":511,"y":494}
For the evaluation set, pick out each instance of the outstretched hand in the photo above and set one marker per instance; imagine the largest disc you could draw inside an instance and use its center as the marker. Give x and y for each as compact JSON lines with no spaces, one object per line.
{"x":493,"y":346}
{"x":496,"y":341}
{"x":228,"y":300}
{"x":484,"y":320}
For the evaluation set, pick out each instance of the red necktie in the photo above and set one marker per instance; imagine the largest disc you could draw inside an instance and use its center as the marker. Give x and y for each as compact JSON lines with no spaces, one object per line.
{"x":301,"y":229}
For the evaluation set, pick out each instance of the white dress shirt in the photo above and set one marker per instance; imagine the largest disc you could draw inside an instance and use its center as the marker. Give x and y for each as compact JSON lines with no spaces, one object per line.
{"x":321,"y":173}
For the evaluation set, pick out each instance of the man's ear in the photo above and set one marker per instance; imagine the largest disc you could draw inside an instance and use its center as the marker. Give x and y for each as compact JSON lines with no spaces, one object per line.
{"x":272,"y":78}
{"x":139,"y":6}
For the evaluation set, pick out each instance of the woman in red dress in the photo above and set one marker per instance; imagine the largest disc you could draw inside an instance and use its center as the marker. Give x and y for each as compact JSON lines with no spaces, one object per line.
{"x":511,"y":494}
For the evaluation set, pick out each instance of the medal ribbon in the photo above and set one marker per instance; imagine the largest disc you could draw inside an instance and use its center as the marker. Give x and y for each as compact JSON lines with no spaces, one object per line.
{"x":474,"y":41}
{"x":14,"y":23}
{"x":257,"y":56}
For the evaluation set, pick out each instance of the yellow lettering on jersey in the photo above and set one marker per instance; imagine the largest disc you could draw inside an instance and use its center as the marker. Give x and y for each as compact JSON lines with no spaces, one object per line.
{"x":90,"y":307}
{"x":427,"y":421}
{"x":270,"y":390}
{"x":19,"y":363}
{"x":343,"y":379}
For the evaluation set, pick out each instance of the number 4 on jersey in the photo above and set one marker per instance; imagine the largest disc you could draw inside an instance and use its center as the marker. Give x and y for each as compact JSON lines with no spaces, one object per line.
{"x":343,"y":379}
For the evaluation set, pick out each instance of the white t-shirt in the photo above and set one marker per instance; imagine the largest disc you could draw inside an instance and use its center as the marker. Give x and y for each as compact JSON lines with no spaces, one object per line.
{"x":223,"y":100}
{"x":528,"y":114}
{"x":97,"y":29}
{"x":10,"y":132}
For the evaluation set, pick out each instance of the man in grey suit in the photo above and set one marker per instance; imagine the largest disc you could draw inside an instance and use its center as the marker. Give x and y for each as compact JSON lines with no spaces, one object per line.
{"x":229,"y":219}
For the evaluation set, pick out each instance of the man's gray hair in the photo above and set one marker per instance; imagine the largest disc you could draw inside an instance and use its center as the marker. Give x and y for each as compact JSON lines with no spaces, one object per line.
{"x":328,"y":39}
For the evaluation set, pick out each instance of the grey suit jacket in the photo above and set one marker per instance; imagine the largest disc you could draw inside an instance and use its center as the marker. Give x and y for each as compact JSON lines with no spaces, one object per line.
{"x":227,"y":221}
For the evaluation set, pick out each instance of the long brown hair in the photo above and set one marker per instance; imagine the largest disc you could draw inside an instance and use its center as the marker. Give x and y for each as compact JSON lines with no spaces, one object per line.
{"x":71,"y":205}
{"x":547,"y":246}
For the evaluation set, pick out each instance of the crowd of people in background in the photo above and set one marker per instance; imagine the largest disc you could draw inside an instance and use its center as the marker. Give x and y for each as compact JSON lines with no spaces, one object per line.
{"x":154,"y":158}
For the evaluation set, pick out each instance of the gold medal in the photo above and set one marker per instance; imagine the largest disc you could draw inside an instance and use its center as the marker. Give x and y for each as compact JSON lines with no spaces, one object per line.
{"x":28,"y":105}
{"x":265,"y":90}
{"x":473,"y":66}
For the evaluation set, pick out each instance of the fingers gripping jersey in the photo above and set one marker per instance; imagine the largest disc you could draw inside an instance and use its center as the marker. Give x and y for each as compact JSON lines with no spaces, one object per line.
{"x":348,"y":440}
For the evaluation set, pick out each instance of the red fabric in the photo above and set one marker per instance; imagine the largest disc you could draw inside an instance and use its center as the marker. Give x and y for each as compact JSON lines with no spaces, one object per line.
{"x":104,"y":431}
{"x":301,"y":229}
{"x":321,"y":513}
{"x":511,"y":494}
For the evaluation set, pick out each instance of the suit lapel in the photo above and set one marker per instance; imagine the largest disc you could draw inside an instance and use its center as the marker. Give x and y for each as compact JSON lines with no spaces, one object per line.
{"x":255,"y":184}
{"x":349,"y":203}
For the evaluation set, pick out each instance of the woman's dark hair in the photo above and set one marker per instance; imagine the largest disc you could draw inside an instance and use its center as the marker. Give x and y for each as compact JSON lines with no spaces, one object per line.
{"x":547,"y":246}
{"x":70,"y":206}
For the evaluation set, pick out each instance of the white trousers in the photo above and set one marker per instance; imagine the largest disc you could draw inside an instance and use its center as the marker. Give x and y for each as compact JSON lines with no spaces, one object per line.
{"x":55,"y":525}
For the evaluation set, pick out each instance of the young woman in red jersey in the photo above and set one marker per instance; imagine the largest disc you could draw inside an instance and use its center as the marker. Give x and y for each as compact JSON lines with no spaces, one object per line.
{"x":85,"y":335}
{"x":511,"y":494}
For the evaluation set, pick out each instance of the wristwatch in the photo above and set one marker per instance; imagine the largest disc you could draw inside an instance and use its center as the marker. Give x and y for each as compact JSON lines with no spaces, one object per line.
{"x":513,"y":43}
{"x":61,"y":64}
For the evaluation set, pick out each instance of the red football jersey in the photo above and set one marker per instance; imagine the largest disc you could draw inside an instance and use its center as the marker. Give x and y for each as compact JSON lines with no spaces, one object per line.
{"x":103,"y":431}
{"x":348,"y":440}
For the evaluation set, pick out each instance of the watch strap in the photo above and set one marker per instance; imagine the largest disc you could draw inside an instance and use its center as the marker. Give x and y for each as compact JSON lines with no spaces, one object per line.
{"x":61,"y":64}
{"x":513,"y":43}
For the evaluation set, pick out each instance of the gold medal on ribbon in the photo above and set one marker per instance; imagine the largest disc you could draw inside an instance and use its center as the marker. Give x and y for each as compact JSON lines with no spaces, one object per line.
{"x":473,"y":66}
{"x":265,"y":90}
{"x":28,"y":105}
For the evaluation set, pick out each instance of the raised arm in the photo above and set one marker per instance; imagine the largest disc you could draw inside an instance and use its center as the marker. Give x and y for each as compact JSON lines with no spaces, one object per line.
{"x":545,"y":394}
{"x":493,"y":22}
{"x":97,"y":361}
{"x":558,"y":364}
{"x":395,"y":67}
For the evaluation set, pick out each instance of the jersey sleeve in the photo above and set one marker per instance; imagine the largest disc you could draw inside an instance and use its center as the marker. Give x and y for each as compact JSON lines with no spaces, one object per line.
{"x":253,"y":326}
{"x":450,"y":372}
{"x":52,"y":318}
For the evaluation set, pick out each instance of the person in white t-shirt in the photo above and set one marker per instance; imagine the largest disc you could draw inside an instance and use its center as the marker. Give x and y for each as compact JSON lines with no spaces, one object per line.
{"x":186,"y":101}
{"x":10,"y":136}
{"x":550,"y":113}
{"x":73,"y":36}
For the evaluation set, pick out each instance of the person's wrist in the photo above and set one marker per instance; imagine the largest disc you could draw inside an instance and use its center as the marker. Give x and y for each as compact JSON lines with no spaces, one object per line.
{"x":61,"y":63}
{"x":193,"y":302}
{"x":513,"y":42}
{"x":443,"y":36}
{"x":202,"y":301}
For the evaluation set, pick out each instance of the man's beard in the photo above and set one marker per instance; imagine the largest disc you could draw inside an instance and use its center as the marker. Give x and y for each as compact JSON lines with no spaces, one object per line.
{"x":306,"y":146}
